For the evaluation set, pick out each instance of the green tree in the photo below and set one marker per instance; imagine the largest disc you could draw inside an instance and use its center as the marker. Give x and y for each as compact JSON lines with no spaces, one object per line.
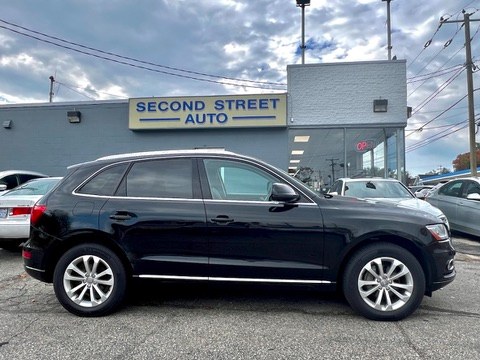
{"x":462,"y":162}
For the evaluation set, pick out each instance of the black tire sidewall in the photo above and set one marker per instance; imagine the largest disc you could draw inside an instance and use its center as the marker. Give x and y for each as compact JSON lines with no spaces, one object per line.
{"x":365,"y":255}
{"x":120,"y":282}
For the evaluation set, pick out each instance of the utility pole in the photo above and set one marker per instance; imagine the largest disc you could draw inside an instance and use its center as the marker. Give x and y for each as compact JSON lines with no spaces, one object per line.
{"x":471,"y":107}
{"x":332,"y":164}
{"x":51,"y":87}
{"x":389,"y":31}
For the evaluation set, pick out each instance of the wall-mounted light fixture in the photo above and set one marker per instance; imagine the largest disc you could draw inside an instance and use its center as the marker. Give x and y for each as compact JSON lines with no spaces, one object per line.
{"x":7,"y":124}
{"x":380,"y":105}
{"x":73,"y":116}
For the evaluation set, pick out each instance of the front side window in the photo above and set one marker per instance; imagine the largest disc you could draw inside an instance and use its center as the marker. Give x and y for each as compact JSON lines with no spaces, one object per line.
{"x":168,"y":178}
{"x":337,"y":187}
{"x":10,"y":181}
{"x":231,"y":180}
{"x":451,"y":189}
{"x":472,"y":188}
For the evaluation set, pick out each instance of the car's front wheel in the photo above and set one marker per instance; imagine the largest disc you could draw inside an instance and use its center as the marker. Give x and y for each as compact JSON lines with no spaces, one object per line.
{"x":384,"y":282}
{"x":90,"y":280}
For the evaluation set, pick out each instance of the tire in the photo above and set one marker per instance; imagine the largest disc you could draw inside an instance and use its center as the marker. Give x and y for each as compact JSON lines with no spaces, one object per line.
{"x":12,"y":245}
{"x":90,"y":280}
{"x":388,"y":292}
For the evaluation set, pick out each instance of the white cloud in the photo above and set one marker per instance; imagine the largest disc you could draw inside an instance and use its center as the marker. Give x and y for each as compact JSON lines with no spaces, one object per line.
{"x":253,"y":40}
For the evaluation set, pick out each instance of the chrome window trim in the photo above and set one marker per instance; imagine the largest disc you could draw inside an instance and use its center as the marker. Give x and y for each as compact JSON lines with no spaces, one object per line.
{"x":258,"y":202}
{"x":253,"y":280}
{"x":240,"y":202}
{"x":219,"y":156}
{"x":137,"y":198}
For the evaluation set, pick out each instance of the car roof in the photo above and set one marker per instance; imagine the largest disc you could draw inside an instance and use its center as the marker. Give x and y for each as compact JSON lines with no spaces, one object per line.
{"x":368,"y":179}
{"x":23,"y":172}
{"x":161,"y":153}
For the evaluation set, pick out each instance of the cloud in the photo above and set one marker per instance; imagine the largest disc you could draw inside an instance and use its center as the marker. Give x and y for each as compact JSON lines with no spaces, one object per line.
{"x":217,"y":41}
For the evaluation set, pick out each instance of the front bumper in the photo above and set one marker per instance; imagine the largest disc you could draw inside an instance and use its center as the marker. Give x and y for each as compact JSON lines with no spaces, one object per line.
{"x":442,"y":271}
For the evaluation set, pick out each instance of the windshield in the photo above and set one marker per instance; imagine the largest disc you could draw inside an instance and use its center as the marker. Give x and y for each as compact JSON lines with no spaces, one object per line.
{"x":33,"y":187}
{"x":377,"y":189}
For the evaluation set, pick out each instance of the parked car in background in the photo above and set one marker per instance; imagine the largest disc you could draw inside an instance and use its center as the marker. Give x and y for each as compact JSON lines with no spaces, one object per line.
{"x":460,"y":201}
{"x":10,"y":179}
{"x":15,"y":208}
{"x":211,"y":215}
{"x":420,"y":191}
{"x":384,"y":190}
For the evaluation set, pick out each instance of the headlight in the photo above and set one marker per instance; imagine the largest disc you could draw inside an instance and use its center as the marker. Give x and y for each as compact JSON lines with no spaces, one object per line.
{"x":445,"y":220}
{"x":438,"y":231}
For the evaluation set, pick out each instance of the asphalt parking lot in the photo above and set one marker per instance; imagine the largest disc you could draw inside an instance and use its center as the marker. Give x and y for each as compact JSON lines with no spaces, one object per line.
{"x":204,"y":321}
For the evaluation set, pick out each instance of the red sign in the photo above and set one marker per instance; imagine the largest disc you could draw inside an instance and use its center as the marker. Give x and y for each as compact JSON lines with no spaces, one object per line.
{"x":365,"y":145}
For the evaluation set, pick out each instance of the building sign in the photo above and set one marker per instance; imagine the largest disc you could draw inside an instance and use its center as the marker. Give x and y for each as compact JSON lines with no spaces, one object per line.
{"x":205,"y":112}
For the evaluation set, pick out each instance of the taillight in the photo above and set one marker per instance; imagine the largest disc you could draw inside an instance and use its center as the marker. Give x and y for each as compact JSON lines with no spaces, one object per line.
{"x":26,"y":254}
{"x":24,"y":210}
{"x":37,"y":212}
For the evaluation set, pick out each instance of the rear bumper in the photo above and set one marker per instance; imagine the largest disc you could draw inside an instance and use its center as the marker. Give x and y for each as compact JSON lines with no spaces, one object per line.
{"x":35,"y":263}
{"x":14,"y":231}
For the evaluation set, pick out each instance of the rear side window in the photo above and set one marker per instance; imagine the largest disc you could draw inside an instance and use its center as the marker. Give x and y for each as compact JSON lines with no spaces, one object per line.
{"x":104,"y":183}
{"x":25,"y":177}
{"x":169,"y":178}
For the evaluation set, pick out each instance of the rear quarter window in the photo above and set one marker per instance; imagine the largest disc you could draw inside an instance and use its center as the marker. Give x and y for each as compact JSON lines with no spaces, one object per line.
{"x":105,"y":182}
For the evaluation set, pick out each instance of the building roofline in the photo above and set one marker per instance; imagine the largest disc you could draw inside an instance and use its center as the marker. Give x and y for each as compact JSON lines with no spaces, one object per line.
{"x":66,"y":103}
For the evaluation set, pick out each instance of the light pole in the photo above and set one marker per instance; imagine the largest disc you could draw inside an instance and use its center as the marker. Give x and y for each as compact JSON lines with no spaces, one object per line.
{"x":302,"y":4}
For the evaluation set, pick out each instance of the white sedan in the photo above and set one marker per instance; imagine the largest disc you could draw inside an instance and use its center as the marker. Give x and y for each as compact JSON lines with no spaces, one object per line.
{"x":384,"y":190}
{"x":15,"y":208}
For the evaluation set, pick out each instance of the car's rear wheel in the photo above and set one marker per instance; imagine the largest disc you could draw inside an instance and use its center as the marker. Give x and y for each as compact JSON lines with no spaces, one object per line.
{"x":384,"y":282}
{"x":90,"y":280}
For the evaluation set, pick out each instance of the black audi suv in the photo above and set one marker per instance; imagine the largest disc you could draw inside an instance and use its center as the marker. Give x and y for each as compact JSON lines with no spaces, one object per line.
{"x":213,"y":215}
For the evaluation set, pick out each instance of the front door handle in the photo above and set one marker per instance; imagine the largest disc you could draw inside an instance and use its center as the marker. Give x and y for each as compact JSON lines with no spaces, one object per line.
{"x":223,"y":220}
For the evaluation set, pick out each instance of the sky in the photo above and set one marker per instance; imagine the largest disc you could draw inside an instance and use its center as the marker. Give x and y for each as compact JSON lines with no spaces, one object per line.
{"x":120,"y":49}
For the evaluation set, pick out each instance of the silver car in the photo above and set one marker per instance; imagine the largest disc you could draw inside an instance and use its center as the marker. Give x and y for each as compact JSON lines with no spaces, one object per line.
{"x":386,"y":191}
{"x":15,"y":208}
{"x":12,"y":178}
{"x":460,"y":201}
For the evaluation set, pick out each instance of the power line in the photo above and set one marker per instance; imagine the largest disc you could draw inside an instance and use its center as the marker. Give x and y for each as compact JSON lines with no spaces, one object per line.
{"x":433,"y":74}
{"x":443,"y":112}
{"x":436,"y":137}
{"x":124,"y":61}
{"x":438,"y":91}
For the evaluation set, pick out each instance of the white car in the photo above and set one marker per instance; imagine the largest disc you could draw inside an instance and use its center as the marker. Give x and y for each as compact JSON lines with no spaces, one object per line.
{"x":10,"y":179}
{"x":384,"y":190}
{"x":15,"y":208}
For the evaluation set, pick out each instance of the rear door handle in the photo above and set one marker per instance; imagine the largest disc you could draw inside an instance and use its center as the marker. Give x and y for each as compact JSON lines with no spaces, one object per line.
{"x":223,"y":220}
{"x":122,"y":216}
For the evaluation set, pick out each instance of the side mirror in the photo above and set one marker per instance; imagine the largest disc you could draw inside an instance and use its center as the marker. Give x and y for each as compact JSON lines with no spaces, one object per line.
{"x":283,"y":193}
{"x":474,"y":196}
{"x":333,"y":193}
{"x":3,"y":187}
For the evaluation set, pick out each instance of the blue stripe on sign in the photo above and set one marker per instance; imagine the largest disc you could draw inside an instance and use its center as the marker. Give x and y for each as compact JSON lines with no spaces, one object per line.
{"x":253,"y":117}
{"x":160,"y":119}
